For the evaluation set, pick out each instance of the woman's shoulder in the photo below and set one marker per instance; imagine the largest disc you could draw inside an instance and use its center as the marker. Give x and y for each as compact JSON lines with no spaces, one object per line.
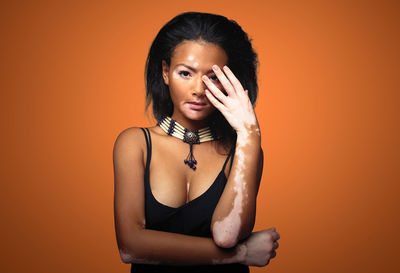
{"x":130,"y":134}
{"x":130,"y":139}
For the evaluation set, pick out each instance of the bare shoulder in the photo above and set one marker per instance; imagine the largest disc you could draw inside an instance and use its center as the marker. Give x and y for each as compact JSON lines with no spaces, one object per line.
{"x":131,"y":133}
{"x":130,"y":141}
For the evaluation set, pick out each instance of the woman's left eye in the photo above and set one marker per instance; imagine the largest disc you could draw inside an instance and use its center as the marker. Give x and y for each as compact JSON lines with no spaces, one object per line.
{"x":214,"y":78}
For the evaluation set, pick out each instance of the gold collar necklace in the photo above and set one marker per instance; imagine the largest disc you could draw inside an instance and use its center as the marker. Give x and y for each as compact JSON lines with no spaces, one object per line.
{"x":173,"y":128}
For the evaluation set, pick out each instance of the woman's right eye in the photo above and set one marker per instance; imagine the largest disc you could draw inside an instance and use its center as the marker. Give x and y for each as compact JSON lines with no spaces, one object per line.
{"x":184,"y":74}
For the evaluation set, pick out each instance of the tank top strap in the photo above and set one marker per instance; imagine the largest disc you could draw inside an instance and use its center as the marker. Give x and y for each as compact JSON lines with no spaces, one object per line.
{"x":231,"y":153}
{"x":146,"y":133}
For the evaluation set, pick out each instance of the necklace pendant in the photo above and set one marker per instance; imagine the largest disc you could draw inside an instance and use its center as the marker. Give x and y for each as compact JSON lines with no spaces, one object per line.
{"x":173,"y":128}
{"x":191,"y":137}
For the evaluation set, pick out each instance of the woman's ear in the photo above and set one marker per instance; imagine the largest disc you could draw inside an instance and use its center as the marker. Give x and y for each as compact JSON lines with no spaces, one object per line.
{"x":165,"y":71}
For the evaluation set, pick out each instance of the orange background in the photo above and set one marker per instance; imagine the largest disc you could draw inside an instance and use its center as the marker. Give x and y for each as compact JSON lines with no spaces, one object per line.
{"x":72,"y":79}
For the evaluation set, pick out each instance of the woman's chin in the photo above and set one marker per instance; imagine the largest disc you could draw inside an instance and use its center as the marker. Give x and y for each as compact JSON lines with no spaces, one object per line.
{"x":198,"y":115}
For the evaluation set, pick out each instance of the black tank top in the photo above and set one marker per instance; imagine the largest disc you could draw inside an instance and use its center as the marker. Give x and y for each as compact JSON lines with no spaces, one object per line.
{"x":192,"y":218}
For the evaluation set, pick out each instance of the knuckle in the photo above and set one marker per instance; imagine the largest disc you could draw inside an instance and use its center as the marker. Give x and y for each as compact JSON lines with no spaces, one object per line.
{"x":268,"y":246}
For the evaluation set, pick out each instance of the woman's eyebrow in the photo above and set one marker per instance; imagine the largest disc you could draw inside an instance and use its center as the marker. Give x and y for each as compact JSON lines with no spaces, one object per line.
{"x":192,"y":68}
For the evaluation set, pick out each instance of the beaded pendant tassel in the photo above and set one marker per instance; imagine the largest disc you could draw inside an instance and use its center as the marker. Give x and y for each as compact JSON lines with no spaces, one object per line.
{"x":191,"y":138}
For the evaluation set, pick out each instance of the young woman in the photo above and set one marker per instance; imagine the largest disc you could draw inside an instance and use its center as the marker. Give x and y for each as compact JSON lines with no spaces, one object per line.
{"x":185,"y":189}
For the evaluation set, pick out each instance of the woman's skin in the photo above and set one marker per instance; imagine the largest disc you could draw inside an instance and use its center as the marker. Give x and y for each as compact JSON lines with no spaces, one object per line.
{"x":173,"y":183}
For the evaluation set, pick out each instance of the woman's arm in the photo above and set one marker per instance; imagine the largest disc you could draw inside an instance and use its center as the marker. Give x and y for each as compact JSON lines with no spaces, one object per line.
{"x":234,"y":216}
{"x":139,"y":245}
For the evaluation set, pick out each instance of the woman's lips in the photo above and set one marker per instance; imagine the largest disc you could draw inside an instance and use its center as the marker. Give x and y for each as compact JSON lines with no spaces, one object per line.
{"x":197,"y":105}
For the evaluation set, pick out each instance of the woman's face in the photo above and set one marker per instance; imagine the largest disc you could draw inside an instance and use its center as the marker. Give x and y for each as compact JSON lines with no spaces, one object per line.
{"x":189,"y":62}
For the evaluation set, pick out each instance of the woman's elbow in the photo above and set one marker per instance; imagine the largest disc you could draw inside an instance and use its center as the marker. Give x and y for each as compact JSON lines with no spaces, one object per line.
{"x":229,"y":236}
{"x":126,"y":257}
{"x":131,"y":253}
{"x":224,"y":238}
{"x":129,"y":244}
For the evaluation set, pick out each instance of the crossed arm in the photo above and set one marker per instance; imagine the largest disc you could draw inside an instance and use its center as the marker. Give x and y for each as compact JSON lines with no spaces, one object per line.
{"x":139,"y":245}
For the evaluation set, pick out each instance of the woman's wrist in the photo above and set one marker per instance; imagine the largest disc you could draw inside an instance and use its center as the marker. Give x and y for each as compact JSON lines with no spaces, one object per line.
{"x":252,"y":129}
{"x":247,"y":135}
{"x":241,"y":252}
{"x":238,"y":255}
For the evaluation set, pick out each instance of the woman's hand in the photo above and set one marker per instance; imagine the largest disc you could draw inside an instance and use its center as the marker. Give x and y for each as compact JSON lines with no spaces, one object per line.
{"x":259,"y":247}
{"x":235,"y":105}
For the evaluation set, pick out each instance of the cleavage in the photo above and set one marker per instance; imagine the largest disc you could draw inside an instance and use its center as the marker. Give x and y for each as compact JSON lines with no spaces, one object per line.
{"x":172,"y":182}
{"x":175,"y":190}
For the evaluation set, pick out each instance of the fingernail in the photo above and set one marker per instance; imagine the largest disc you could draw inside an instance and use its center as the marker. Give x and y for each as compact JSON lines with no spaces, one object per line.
{"x":225,"y":67}
{"x":204,"y":77}
{"x":215,"y":67}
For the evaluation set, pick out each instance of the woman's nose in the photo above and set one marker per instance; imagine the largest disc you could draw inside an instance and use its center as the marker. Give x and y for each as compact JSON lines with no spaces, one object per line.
{"x":199,"y":86}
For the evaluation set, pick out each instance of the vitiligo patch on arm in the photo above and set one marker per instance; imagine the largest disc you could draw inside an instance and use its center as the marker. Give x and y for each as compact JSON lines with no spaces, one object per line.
{"x":229,"y":227}
{"x":128,"y":258}
{"x":239,"y":256}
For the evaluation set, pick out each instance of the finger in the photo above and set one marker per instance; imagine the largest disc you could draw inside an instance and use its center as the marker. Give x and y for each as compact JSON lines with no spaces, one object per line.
{"x":230,"y":90}
{"x":217,"y":104}
{"x":275,"y":236}
{"x":232,"y":78}
{"x":272,"y":229}
{"x":214,"y":90}
{"x":273,"y":254}
{"x":276,"y":245}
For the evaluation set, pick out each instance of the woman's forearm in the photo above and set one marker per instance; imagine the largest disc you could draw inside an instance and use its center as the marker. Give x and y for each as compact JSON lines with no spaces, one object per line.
{"x":147,"y":246}
{"x":234,"y":216}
